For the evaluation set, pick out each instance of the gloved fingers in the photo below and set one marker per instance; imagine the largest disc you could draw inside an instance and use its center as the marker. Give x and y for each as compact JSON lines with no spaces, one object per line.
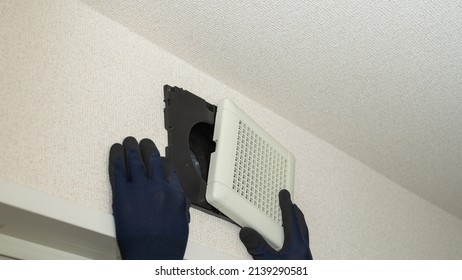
{"x":155,"y":164}
{"x":170,"y":175}
{"x":256,"y":245}
{"x":133,"y":162}
{"x":287,"y":215}
{"x":117,"y":171}
{"x":175,"y":181}
{"x":166,"y":168}
{"x":148,"y":149}
{"x":302,"y":226}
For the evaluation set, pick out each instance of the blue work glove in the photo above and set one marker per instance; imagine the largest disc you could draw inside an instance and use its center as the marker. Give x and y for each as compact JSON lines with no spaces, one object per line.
{"x":296,"y":239}
{"x":151,"y":211}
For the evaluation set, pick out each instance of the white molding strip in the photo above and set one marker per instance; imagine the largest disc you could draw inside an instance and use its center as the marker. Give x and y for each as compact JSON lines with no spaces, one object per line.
{"x":15,"y":248}
{"x":70,"y":230}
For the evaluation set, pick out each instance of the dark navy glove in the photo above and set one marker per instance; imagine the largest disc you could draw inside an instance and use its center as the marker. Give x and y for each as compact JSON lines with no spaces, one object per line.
{"x":296,"y":239}
{"x":151,"y":211}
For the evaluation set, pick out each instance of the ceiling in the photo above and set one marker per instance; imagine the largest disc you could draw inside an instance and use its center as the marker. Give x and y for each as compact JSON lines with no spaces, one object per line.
{"x":381,"y":80}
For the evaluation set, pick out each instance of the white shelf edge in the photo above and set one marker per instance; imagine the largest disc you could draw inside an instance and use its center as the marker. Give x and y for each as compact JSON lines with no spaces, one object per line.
{"x":39,"y":218}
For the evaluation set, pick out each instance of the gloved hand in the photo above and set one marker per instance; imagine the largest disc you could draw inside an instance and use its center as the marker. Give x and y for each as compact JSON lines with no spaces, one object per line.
{"x":296,"y":239}
{"x":151,"y":211}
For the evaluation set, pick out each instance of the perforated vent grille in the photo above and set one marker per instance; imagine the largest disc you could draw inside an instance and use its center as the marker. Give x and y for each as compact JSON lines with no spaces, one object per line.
{"x":260,"y":172}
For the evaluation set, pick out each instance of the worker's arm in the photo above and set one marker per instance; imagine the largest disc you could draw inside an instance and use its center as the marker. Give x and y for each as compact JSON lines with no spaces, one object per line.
{"x":151,"y":211}
{"x":296,"y":238}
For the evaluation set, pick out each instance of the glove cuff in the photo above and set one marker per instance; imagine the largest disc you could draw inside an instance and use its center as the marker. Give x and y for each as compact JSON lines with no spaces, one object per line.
{"x":152,"y":247}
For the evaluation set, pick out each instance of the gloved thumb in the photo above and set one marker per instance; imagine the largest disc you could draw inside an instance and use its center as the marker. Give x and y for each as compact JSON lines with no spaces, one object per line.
{"x":256,"y":245}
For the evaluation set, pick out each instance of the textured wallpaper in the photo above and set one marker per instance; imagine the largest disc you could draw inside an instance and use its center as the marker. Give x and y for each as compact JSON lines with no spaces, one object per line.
{"x":73,"y":82}
{"x":378,"y":79}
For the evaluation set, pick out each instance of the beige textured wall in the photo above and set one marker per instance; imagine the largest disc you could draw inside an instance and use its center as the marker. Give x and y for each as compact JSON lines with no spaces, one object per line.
{"x":74,"y":82}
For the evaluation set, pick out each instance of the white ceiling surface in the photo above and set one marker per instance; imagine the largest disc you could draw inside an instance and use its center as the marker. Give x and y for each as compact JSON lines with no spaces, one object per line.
{"x":381,"y":80}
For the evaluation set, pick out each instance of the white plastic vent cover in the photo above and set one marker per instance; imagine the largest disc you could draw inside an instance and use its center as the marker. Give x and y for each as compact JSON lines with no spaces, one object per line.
{"x":247,"y":171}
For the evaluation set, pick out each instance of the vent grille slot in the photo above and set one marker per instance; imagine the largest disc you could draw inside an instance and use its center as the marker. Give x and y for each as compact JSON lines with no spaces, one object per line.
{"x":260,"y":172}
